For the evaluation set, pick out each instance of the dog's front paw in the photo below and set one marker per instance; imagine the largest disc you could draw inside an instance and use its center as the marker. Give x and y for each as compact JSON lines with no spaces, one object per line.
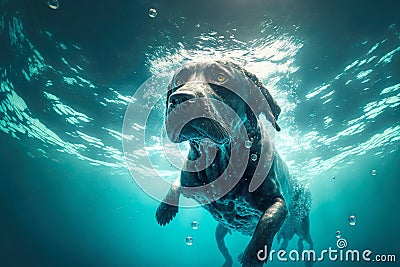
{"x":249,"y":258}
{"x":165,"y":213}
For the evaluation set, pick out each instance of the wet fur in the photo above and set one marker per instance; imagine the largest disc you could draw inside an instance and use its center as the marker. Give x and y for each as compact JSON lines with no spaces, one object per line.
{"x":279,"y":200}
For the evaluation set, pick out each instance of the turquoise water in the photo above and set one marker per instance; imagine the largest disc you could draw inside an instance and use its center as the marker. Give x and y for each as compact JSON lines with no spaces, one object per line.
{"x":68,"y":75}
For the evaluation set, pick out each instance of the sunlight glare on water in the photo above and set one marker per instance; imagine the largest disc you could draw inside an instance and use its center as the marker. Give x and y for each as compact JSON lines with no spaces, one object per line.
{"x":272,"y":56}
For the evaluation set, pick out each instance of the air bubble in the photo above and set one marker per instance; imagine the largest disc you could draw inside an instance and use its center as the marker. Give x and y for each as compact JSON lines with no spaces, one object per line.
{"x":53,"y":4}
{"x":338,"y":234}
{"x":373,"y":172}
{"x":189,"y":240}
{"x":195,"y":225}
{"x":248,"y":143}
{"x":152,"y":13}
{"x":253,"y":157}
{"x":352,"y":220}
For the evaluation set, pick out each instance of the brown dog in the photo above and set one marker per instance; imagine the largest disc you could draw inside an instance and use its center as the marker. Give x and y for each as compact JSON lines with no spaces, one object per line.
{"x":252,"y":206}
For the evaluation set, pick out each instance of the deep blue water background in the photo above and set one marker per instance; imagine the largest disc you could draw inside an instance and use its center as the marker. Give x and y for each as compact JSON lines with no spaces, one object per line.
{"x":66,"y":197}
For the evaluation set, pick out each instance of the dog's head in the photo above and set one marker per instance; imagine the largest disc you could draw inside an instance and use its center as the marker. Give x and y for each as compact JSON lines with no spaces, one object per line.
{"x":200,"y":93}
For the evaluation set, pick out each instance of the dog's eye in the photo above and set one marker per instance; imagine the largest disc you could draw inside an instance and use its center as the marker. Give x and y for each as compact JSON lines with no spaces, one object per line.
{"x":221,"y":78}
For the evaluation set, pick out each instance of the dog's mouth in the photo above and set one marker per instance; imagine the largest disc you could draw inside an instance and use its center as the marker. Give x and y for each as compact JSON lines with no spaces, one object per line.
{"x":197,"y":130}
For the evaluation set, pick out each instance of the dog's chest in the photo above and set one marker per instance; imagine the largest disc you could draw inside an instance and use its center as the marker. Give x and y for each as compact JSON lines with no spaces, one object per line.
{"x":235,"y":213}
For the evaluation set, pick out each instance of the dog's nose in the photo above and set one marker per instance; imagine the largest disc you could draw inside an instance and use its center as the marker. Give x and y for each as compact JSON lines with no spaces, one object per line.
{"x":180,"y":97}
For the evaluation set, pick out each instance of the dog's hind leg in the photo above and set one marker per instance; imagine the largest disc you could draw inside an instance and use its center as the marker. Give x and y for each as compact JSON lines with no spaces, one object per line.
{"x":305,"y":235}
{"x":220,"y":233}
{"x":305,"y":231}
{"x":285,"y":235}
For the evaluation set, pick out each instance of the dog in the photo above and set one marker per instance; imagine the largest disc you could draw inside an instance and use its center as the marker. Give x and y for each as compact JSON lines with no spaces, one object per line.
{"x":261,"y":201}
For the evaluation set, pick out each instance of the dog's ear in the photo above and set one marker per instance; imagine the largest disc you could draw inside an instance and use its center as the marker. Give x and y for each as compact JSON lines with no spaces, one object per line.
{"x":272,"y":113}
{"x":169,"y":93}
{"x":272,"y":110}
{"x":273,"y":105}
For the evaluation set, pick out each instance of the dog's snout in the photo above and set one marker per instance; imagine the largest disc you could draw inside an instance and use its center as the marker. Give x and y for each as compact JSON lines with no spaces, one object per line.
{"x":180,"y":97}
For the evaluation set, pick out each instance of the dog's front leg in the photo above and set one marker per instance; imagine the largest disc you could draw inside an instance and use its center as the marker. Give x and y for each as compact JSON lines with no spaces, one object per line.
{"x":267,"y":227}
{"x":167,"y":209}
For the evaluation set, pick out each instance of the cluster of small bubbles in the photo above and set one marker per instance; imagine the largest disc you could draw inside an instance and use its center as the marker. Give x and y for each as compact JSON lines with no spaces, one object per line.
{"x":53,"y":4}
{"x":253,"y":157}
{"x":352,"y":220}
{"x":189,"y":240}
{"x":152,"y":12}
{"x":248,"y":143}
{"x":373,"y":172}
{"x":338,"y":234}
{"x":195,"y":225}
